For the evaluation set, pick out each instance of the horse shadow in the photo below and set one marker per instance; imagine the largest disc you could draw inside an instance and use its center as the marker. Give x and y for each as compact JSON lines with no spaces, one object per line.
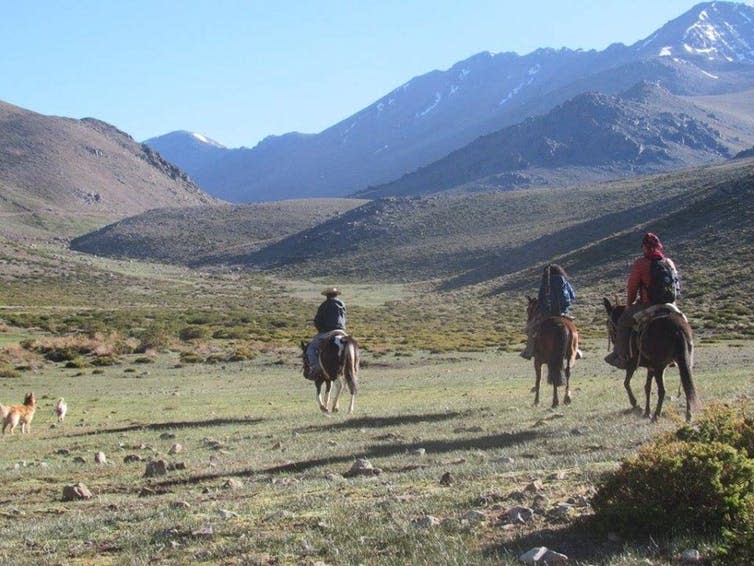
{"x":434,"y":447}
{"x":168,"y":426}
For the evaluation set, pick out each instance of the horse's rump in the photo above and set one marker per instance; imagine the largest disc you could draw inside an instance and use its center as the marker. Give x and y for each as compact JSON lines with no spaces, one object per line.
{"x":557,"y":342}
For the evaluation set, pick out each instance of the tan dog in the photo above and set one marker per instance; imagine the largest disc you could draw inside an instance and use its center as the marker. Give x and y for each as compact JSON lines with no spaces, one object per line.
{"x":20,"y":414}
{"x":61,"y":408}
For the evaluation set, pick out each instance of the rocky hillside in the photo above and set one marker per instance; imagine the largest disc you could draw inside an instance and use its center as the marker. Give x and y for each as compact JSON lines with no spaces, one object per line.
{"x":591,"y":137}
{"x":85,"y":169}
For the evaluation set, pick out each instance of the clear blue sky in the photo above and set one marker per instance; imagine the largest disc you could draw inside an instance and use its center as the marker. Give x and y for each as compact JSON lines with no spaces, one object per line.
{"x":238,"y":71}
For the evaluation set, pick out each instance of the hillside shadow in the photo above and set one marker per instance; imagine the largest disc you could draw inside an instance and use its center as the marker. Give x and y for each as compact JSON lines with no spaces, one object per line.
{"x":167,"y":426}
{"x":564,"y":242}
{"x":432,"y":447}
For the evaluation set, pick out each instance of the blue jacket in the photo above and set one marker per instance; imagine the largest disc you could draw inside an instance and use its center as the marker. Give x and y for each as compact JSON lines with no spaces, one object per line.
{"x":560,"y":299}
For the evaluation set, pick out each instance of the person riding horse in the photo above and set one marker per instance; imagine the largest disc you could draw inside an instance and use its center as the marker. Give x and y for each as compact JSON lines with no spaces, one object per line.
{"x":331,"y":316}
{"x":639,"y":295}
{"x":556,"y":295}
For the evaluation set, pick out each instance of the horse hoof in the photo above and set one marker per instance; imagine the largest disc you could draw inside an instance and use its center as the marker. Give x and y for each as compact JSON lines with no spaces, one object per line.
{"x":335,"y":409}
{"x":567,"y":401}
{"x":324,"y":410}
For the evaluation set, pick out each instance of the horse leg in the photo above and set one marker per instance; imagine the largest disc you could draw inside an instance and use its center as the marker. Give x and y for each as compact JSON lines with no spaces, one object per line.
{"x":660,"y":378}
{"x":648,"y":392}
{"x":567,"y":395}
{"x":537,"y":379}
{"x":318,"y":395}
{"x":627,"y":385}
{"x":338,"y":389}
{"x":555,"y":400}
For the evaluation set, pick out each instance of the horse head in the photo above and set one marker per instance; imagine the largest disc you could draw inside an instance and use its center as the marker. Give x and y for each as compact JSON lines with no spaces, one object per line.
{"x":614,"y":311}
{"x":531,"y":307}
{"x":305,"y":358}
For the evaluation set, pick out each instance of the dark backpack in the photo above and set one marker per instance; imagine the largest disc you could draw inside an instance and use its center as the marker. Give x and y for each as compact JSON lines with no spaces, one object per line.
{"x":663,"y":282}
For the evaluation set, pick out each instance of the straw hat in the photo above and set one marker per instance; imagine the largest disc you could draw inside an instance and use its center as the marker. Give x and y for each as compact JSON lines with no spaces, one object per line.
{"x":331,"y":291}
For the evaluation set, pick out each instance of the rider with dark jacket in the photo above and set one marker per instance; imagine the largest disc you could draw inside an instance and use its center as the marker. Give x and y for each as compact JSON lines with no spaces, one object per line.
{"x":556,"y":295}
{"x":331,"y":315}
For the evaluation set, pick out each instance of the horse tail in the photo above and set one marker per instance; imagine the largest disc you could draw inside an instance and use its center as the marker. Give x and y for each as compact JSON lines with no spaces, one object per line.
{"x":560,"y":344}
{"x":351,"y":365}
{"x":684,"y":358}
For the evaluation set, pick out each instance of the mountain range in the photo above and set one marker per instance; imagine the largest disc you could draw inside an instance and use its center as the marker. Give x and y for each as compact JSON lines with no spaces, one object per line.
{"x":709,"y":50}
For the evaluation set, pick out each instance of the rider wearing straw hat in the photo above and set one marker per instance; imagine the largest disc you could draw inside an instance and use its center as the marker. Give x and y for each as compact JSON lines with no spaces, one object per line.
{"x":331,"y":315}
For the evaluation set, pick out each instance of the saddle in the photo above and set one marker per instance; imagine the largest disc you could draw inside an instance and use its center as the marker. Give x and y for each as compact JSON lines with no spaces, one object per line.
{"x":646,"y":316}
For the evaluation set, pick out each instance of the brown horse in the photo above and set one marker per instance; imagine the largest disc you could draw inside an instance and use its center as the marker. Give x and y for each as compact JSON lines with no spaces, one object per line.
{"x":556,"y":345}
{"x":339,"y":361}
{"x":665,"y":339}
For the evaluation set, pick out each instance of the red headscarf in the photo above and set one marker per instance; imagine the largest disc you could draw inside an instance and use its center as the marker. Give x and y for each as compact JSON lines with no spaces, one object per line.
{"x":652,"y":246}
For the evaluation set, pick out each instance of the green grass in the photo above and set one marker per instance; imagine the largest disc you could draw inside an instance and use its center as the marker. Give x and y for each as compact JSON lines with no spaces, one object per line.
{"x":256,"y":422}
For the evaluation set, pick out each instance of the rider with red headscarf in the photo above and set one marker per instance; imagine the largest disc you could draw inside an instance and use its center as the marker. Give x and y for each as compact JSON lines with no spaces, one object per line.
{"x":637,"y":296}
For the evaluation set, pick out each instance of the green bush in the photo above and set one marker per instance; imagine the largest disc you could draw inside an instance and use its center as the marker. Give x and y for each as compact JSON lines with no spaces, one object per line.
{"x":154,"y":337}
{"x":8,"y":371}
{"x":106,"y":360}
{"x":192,"y":333}
{"x":78,"y":362}
{"x":191,"y":358}
{"x":698,"y":480}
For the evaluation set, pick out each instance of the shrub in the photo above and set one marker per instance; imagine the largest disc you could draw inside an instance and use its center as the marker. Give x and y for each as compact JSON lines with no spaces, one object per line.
{"x":106,"y":360}
{"x":154,"y":337}
{"x":7,"y":371}
{"x":192,"y":333}
{"x":698,"y":480}
{"x":190,"y":358}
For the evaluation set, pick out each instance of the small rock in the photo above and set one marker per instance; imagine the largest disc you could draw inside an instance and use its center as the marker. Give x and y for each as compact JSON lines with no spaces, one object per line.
{"x":426,"y":522}
{"x":233,"y":483}
{"x":80,"y":460}
{"x":175,"y":449}
{"x":130,"y":458}
{"x":552,"y":558}
{"x":206,"y":531}
{"x":690,"y":556}
{"x":446,"y":479}
{"x":474,"y":516}
{"x":534,"y":487}
{"x":75,"y":492}
{"x":156,"y":468}
{"x":533,"y":555}
{"x":362,"y":467}
{"x":180,"y":505}
{"x":100,"y":458}
{"x":520,"y":514}
{"x":419,"y":452}
{"x":540,"y":503}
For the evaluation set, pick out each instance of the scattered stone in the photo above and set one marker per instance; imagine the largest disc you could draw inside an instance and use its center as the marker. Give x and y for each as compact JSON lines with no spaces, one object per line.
{"x":533,"y":555}
{"x":540,"y":503}
{"x":543,"y":555}
{"x":426,"y":522}
{"x":63,"y":452}
{"x":156,"y":468}
{"x":419,"y":452}
{"x":333,"y":476}
{"x":277,"y":446}
{"x":562,"y":511}
{"x":520,"y":514}
{"x":76,"y":492}
{"x":206,"y":531}
{"x":100,"y":458}
{"x":80,"y":460}
{"x":362,"y":467}
{"x":690,"y":556}
{"x":180,"y":505}
{"x":534,"y":487}
{"x":233,"y":483}
{"x":446,"y":479}
{"x":131,"y":458}
{"x":175,"y":449}
{"x":474,"y":516}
